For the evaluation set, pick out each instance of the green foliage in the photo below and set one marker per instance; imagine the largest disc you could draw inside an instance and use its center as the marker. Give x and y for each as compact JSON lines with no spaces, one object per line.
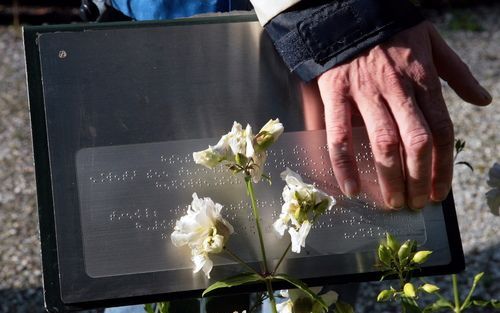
{"x":237,"y":280}
{"x":148,"y":308}
{"x":160,"y":307}
{"x":459,"y":147}
{"x":400,"y":260}
{"x":163,"y":307}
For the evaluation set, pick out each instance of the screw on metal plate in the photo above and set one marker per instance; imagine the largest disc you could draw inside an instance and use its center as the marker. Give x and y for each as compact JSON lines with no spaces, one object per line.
{"x":62,"y":54}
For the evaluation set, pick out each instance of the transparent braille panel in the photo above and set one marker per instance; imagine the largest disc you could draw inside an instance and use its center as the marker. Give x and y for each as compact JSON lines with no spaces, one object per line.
{"x":131,"y":196}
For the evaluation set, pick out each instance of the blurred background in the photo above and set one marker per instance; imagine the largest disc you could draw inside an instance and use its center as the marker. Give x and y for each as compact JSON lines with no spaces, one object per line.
{"x":471,"y":27}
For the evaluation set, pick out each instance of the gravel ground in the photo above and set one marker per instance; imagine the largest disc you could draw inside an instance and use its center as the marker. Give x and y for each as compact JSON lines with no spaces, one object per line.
{"x":20,"y":275}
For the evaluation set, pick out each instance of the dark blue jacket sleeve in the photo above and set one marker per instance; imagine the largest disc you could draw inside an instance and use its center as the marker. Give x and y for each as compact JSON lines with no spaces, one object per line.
{"x":314,"y":36}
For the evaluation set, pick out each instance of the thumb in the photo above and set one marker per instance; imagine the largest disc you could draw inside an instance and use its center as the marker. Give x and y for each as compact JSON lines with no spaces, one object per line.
{"x":453,"y":70}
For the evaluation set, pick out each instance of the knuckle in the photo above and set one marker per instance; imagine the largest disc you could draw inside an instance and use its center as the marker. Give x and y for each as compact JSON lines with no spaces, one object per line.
{"x":391,"y":77}
{"x":386,"y":141}
{"x":341,"y":161}
{"x":419,"y":70}
{"x":419,"y":142}
{"x":338,"y":135}
{"x":340,"y":157}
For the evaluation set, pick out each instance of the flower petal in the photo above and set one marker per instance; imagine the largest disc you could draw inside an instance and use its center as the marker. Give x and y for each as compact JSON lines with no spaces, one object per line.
{"x":285,"y":307}
{"x":298,"y":238}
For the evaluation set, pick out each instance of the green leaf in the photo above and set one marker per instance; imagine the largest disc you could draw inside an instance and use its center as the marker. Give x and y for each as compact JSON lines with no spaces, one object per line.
{"x":466,"y":164}
{"x":232,"y":281}
{"x":480,"y":303}
{"x":343,"y":307}
{"x":459,"y":145}
{"x":148,"y":308}
{"x":439,"y":305}
{"x":302,"y":286}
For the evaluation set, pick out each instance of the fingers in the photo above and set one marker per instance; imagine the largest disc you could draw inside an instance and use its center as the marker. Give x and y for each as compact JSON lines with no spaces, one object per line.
{"x":339,"y":136}
{"x":385,"y":142}
{"x":416,"y":138}
{"x":453,"y":70}
{"x":430,"y":99}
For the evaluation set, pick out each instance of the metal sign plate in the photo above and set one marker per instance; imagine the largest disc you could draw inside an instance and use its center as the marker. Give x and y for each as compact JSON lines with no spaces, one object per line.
{"x":117,"y":111}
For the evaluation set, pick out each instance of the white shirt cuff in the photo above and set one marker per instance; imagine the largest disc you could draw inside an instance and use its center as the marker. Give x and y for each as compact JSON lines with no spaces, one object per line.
{"x":267,"y":9}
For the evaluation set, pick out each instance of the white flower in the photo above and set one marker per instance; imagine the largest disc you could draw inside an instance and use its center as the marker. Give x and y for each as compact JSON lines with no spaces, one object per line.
{"x":203,"y":230}
{"x":493,"y":196}
{"x":242,"y":148}
{"x":299,"y":237}
{"x":299,"y":302}
{"x":240,"y":140}
{"x":302,"y":204}
{"x":212,"y":156}
{"x":268,"y":134}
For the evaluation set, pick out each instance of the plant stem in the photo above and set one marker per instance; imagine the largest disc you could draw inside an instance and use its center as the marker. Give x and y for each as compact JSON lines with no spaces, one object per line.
{"x":239,"y":260}
{"x":271,"y":295}
{"x":251,"y":193}
{"x":259,"y":302}
{"x":469,"y":296}
{"x":456,"y":293}
{"x":282,"y":258}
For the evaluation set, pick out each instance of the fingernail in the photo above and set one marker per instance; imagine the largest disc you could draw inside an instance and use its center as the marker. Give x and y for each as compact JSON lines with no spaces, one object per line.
{"x":350,"y":187}
{"x":442,"y":191}
{"x":419,"y":202}
{"x":486,"y":94}
{"x":397,"y":200}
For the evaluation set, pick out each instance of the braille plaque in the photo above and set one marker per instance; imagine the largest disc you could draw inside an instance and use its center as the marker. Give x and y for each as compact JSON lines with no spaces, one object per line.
{"x":117,"y":111}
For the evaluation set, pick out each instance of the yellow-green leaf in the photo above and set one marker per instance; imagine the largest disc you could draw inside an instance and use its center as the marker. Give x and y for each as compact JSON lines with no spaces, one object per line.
{"x":232,"y":281}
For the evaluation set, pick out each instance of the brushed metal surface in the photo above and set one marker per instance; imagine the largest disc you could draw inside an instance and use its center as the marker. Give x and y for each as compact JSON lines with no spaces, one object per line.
{"x":124,"y":103}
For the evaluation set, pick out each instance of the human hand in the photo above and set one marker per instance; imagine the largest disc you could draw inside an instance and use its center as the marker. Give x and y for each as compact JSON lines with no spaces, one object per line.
{"x":396,"y":88}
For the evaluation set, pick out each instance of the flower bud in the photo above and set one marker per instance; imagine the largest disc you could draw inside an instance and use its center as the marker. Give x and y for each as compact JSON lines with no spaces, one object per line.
{"x":409,"y":290}
{"x":421,"y":256}
{"x":268,"y":134}
{"x":429,"y":288}
{"x":384,"y":254}
{"x":384,"y":295}
{"x":404,"y":251}
{"x":392,"y":243}
{"x":478,"y":277}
